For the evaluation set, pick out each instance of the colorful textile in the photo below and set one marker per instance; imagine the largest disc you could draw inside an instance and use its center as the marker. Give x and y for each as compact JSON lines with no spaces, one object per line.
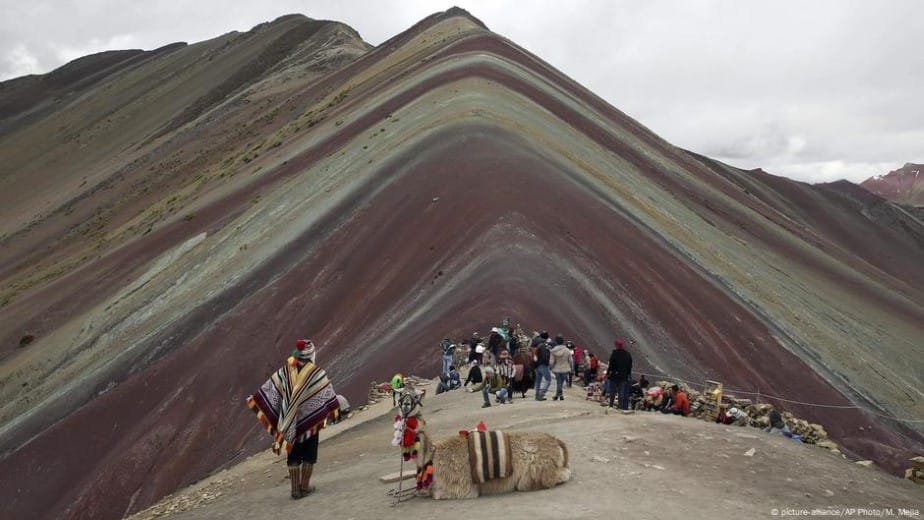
{"x":294,"y":404}
{"x":489,"y":455}
{"x":410,"y":440}
{"x":425,"y":476}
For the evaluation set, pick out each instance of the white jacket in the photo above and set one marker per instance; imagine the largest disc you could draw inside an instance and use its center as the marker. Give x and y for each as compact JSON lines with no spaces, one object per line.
{"x":561,"y":359}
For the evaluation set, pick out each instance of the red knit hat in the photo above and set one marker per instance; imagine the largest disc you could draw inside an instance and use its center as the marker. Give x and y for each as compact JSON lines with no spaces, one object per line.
{"x":304,"y":350}
{"x":619,"y":344}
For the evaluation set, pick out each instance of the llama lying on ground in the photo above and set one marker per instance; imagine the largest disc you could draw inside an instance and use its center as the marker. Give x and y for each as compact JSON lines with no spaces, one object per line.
{"x":478,"y":463}
{"x":537,"y":461}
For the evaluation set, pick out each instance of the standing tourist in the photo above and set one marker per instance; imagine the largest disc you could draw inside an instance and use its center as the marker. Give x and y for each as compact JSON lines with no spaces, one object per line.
{"x":293,"y":405}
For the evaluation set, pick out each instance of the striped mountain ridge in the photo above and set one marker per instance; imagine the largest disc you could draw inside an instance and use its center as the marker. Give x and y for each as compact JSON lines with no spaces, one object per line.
{"x":173,"y":222}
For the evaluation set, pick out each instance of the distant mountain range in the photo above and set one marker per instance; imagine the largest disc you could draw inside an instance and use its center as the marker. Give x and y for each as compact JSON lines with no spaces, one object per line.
{"x":904,"y":185}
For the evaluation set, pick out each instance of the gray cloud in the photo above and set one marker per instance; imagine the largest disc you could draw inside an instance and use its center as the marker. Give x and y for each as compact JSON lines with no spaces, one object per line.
{"x":811,"y":90}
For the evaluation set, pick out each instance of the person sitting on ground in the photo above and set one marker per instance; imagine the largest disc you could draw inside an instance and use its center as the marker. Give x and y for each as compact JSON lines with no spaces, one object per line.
{"x":474,"y":376}
{"x":638,"y":392}
{"x":723,"y":416}
{"x":595,"y":392}
{"x":494,"y":384}
{"x":449,"y":381}
{"x":345,"y":410}
{"x":777,"y":424}
{"x":739,"y":417}
{"x":679,"y":404}
{"x":654,"y":398}
{"x":506,"y":370}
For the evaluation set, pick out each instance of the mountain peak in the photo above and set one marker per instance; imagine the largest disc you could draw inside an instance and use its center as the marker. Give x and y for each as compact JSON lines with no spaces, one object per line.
{"x":458,"y":11}
{"x":904,"y":185}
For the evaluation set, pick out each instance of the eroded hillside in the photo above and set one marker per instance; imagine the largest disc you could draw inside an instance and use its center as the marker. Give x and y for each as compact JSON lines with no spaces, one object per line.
{"x":171,"y":224}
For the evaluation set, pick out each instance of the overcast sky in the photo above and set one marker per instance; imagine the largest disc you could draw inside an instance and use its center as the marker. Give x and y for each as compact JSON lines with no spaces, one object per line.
{"x":812,"y":90}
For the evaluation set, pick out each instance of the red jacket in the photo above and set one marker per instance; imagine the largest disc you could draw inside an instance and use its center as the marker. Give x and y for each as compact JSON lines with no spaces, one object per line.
{"x":681,"y":402}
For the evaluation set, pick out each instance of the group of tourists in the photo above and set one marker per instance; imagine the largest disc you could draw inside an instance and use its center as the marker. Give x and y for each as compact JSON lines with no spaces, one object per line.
{"x":509,"y":363}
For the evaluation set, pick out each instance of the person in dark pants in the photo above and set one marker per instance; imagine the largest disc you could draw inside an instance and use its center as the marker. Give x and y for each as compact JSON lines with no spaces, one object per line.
{"x":543,"y":375}
{"x":618,"y":373}
{"x":296,"y":391}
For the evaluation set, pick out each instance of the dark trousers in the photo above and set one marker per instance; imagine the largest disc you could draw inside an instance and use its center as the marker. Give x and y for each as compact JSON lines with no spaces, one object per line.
{"x":306,"y":452}
{"x":623,"y":389}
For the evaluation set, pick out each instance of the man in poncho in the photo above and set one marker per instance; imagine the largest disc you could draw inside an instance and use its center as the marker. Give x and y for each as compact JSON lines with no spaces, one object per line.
{"x":293,"y":405}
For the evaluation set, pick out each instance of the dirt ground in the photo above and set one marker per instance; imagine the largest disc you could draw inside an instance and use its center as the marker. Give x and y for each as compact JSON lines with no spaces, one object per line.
{"x":643,"y":465}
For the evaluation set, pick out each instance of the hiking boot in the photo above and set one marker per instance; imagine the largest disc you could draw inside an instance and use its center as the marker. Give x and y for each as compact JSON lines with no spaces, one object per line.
{"x":486,"y":405}
{"x":540,"y":399}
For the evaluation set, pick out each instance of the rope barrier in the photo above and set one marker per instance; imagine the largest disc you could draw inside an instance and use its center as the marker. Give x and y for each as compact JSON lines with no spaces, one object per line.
{"x":791,"y":401}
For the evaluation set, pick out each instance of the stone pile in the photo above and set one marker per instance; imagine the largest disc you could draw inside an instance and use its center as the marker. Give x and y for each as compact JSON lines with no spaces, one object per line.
{"x":380,"y":391}
{"x":916,"y":472}
{"x":193,"y":499}
{"x":758,"y":416}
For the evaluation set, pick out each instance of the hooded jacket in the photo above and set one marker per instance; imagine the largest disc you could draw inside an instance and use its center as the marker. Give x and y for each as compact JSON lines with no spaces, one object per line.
{"x":560,"y":360}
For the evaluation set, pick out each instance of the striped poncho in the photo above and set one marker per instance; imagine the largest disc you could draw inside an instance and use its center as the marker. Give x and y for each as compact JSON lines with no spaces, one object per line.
{"x":294,"y":404}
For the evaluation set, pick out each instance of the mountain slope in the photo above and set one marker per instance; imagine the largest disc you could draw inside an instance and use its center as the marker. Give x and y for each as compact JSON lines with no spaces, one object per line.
{"x":377,"y":200}
{"x":904,"y":185}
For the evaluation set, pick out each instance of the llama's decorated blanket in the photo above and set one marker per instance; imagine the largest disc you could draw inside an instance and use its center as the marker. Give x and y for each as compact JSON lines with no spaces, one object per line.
{"x":489,"y":455}
{"x":294,"y":404}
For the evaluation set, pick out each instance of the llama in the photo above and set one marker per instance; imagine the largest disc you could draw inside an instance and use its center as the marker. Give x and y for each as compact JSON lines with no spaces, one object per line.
{"x":449,"y":468}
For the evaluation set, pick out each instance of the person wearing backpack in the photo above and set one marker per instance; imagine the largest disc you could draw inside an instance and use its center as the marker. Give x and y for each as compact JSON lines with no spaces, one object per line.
{"x":543,"y":356}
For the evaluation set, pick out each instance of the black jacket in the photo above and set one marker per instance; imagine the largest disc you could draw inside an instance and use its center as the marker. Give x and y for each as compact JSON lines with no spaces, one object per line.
{"x":620,"y":366}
